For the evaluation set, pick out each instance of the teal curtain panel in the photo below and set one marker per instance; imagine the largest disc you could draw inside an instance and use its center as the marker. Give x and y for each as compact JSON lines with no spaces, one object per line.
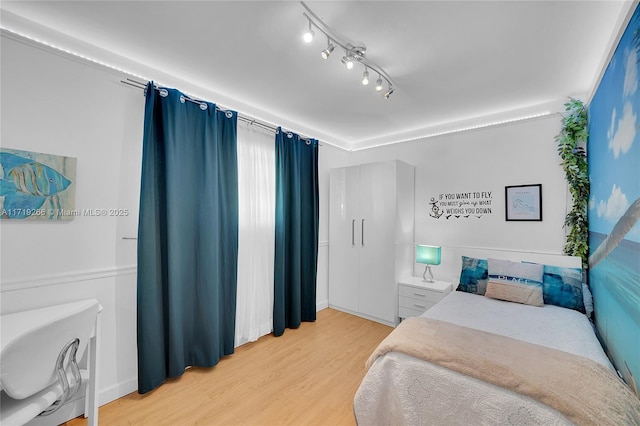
{"x":187,"y":236}
{"x":296,"y":233}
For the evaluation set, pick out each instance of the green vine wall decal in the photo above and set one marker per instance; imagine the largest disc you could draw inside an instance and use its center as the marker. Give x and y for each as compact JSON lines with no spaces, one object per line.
{"x":571,"y":147}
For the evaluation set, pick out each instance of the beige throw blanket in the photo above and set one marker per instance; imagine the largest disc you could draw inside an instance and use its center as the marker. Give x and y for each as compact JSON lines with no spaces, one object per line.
{"x":584,"y":391}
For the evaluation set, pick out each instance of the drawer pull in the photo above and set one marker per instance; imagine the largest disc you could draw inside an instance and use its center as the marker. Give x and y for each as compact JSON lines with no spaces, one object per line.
{"x":419,"y":306}
{"x":419,"y":294}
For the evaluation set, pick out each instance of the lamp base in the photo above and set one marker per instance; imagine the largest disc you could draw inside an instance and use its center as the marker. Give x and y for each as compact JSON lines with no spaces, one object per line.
{"x":427,"y":270}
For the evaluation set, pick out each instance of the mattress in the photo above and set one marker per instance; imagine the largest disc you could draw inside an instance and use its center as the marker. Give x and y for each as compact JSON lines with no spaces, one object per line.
{"x":400,"y":389}
{"x":551,"y":326}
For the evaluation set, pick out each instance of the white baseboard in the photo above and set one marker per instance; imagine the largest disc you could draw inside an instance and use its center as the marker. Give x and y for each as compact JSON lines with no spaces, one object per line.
{"x":117,"y":391}
{"x":322,"y":305}
{"x":361,"y":315}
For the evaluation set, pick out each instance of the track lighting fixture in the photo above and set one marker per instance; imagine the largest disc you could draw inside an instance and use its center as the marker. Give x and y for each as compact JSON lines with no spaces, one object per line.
{"x":308,"y":35}
{"x":347,"y":61}
{"x":379,"y":84}
{"x":354,"y":51}
{"x":389,"y":92}
{"x":326,"y":52}
{"x":365,"y":77}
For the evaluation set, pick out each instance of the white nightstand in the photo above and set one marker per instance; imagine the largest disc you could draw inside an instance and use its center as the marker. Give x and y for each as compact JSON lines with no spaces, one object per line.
{"x":416,"y":296}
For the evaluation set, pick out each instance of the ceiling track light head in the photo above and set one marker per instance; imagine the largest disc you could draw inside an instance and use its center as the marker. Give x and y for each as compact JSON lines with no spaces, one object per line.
{"x":347,"y":61}
{"x":326,"y":52}
{"x":365,"y":76}
{"x":379,"y":84}
{"x":389,"y":92}
{"x":308,"y":35}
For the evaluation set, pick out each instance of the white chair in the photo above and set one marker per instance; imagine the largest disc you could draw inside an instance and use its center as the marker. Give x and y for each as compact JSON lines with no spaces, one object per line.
{"x":38,"y":360}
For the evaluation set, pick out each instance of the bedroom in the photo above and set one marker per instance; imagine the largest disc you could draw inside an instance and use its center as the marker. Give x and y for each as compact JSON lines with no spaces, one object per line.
{"x":89,"y":258}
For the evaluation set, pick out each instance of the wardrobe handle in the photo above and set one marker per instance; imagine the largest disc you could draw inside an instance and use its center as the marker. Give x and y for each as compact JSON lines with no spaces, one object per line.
{"x":353,"y":232}
{"x":362,"y":233}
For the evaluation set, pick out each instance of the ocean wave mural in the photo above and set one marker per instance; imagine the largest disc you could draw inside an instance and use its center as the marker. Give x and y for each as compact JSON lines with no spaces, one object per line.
{"x":35,"y":186}
{"x":614,"y":207}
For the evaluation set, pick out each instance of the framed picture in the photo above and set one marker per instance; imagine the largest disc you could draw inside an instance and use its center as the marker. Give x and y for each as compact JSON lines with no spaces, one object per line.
{"x":36,"y":186}
{"x":523,"y":202}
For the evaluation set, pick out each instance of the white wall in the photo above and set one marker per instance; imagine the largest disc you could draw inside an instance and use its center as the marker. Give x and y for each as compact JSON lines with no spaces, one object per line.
{"x":485,"y":160}
{"x":57,"y":105}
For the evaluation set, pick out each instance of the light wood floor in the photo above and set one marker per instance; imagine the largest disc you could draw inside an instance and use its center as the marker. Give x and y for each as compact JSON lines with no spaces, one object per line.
{"x":308,"y":376}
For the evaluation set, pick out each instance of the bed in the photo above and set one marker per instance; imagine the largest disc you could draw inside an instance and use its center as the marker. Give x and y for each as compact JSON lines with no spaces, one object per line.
{"x":473,"y":359}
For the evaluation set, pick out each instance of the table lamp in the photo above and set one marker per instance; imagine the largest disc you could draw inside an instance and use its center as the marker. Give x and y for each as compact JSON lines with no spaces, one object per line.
{"x":428,"y":255}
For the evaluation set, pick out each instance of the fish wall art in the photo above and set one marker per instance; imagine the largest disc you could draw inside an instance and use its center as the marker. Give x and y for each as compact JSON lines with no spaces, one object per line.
{"x":36,"y":186}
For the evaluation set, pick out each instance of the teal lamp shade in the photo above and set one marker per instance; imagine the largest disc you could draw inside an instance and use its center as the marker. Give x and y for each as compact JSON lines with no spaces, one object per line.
{"x":428,"y":255}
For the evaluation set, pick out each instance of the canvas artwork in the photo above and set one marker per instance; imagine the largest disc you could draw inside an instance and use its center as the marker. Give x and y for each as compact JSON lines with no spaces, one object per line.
{"x":36,"y":186}
{"x":614,"y":207}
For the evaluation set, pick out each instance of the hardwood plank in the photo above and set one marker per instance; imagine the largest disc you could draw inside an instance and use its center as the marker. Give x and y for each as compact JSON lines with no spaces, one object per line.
{"x":308,"y":376}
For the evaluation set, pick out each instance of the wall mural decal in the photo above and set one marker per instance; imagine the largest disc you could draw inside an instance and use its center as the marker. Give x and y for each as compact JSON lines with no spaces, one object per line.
{"x":613,"y":152}
{"x":461,"y":205}
{"x":35,"y":186}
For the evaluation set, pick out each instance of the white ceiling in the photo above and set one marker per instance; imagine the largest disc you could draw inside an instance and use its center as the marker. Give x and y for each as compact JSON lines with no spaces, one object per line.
{"x":455,"y":63}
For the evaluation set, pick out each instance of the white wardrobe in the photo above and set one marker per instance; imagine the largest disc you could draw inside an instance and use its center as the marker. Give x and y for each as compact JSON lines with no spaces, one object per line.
{"x":371,"y":232}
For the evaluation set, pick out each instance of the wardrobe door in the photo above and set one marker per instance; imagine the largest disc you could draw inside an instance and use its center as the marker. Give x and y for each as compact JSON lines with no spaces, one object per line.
{"x":344,"y":238}
{"x":377,"y":200}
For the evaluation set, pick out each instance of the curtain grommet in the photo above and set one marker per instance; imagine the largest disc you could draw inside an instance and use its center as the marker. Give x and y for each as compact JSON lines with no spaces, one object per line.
{"x":164,"y":93}
{"x":228,"y":114}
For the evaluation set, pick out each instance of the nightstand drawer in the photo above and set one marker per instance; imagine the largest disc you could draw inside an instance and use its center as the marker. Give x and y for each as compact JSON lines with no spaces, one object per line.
{"x":414,"y":304}
{"x":408,"y":313}
{"x":420,"y":293}
{"x":416,"y":296}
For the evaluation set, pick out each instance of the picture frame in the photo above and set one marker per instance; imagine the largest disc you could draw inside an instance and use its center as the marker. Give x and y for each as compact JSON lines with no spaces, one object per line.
{"x":523,"y":202}
{"x":37,"y":186}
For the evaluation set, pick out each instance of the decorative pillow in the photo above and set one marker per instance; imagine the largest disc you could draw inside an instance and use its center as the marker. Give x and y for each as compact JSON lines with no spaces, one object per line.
{"x":523,"y":273}
{"x":473,"y":278}
{"x":513,"y":291}
{"x":563,"y":287}
{"x":588,"y":301}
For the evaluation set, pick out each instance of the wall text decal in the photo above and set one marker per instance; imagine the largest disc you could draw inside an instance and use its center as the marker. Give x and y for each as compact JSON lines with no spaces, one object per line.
{"x":461,"y":204}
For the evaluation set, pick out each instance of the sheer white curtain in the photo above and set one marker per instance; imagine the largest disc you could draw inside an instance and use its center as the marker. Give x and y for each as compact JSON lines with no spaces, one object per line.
{"x":256,"y":202}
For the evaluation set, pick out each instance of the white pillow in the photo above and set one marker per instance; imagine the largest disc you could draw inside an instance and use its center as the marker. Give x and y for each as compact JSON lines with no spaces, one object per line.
{"x":512,"y":291}
{"x":508,"y":271}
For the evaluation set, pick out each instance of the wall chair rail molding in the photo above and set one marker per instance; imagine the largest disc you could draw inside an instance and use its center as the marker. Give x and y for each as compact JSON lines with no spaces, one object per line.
{"x":24,"y":283}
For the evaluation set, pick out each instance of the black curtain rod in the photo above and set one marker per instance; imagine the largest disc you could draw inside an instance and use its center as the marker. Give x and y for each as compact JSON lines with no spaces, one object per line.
{"x":247,"y":119}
